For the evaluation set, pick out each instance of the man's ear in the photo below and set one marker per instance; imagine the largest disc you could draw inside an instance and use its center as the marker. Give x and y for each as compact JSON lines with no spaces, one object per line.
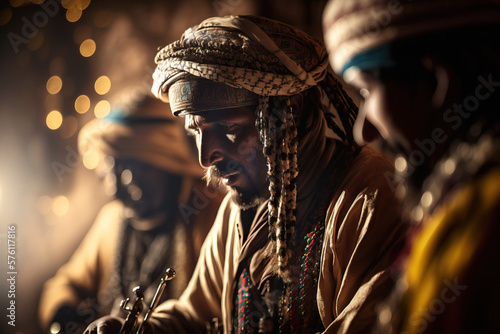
{"x":441,"y":73}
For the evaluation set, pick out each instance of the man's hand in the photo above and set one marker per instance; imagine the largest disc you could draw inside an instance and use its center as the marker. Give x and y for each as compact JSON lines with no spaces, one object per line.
{"x":105,"y":325}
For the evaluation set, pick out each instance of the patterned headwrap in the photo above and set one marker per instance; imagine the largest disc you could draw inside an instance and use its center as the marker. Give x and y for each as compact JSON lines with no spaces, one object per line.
{"x":257,"y":61}
{"x":353,"y":27}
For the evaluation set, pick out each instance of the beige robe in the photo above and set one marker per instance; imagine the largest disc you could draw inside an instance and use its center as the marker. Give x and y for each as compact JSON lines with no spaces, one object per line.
{"x":363,"y":235}
{"x":83,"y":282}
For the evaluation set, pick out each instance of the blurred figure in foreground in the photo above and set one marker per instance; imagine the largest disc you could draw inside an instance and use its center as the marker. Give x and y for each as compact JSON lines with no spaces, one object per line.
{"x":159,"y":219}
{"x":430,"y":76}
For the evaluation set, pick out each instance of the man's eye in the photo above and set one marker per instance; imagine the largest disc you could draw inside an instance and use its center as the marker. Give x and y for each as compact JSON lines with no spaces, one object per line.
{"x":231,"y":128}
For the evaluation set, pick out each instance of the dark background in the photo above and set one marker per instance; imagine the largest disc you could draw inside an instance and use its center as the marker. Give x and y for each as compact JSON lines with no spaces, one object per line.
{"x":45,"y":190}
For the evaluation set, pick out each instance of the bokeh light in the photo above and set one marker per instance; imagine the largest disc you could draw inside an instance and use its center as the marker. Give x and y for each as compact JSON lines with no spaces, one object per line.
{"x":60,"y":205}
{"x":36,"y":42}
{"x":82,"y":104}
{"x":126,"y":177}
{"x":44,"y":205}
{"x":73,"y":14}
{"x":83,"y":4}
{"x":102,"y":85}
{"x":5,"y":16}
{"x":54,"y":120}
{"x":87,"y":48}
{"x":91,"y":159}
{"x":102,"y":109}
{"x":54,"y":84}
{"x":16,"y":3}
{"x":68,"y":4}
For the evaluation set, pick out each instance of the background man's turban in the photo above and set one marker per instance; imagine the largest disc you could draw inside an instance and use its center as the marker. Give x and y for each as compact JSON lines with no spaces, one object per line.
{"x":355,"y":26}
{"x":143,"y":131}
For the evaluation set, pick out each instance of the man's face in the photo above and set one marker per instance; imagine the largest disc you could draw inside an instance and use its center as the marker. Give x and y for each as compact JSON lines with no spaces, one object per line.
{"x":396,"y":111}
{"x":231,"y":152}
{"x":144,"y":189}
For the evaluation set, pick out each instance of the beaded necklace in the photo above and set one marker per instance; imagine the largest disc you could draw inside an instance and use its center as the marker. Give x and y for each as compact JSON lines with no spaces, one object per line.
{"x":297,"y":307}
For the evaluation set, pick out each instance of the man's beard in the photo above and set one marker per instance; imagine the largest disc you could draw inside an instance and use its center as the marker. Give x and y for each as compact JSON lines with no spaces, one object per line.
{"x":245,"y":199}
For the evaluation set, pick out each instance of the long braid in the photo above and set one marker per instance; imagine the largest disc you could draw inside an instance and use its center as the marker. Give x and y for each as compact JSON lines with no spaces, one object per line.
{"x":282,"y":237}
{"x":266,"y":129}
{"x":279,"y":137}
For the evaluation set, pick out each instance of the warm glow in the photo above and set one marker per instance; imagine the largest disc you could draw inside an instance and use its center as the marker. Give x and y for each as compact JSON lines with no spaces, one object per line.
{"x":57,"y":65}
{"x":60,"y":206}
{"x":82,"y":104}
{"x":5,"y":16}
{"x":102,"y":19}
{"x":68,"y":3}
{"x":54,"y":120}
{"x":102,"y":109}
{"x":102,"y":85}
{"x":36,"y":42}
{"x":87,"y":48}
{"x":91,"y":159}
{"x":16,"y":3}
{"x":73,"y":14}
{"x":44,"y":205}
{"x":54,"y":84}
{"x":110,"y":184}
{"x":69,"y":127}
{"x":83,"y":4}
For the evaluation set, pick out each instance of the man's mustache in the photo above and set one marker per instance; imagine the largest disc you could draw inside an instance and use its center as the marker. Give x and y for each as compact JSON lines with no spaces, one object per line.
{"x":215,"y":173}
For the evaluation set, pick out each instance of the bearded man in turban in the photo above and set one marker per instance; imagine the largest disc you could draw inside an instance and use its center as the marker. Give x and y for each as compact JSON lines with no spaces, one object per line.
{"x":305,"y":237}
{"x":429,"y":72}
{"x":160,"y":217}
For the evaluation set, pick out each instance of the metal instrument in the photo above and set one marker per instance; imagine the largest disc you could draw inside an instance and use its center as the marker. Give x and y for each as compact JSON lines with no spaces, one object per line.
{"x":131,"y":322}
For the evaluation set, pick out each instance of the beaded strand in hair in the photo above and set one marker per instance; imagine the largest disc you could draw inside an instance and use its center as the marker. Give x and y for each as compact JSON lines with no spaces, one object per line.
{"x":279,"y":136}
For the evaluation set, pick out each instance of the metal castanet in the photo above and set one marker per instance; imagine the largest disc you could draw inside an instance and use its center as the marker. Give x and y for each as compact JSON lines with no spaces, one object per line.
{"x":131,"y":322}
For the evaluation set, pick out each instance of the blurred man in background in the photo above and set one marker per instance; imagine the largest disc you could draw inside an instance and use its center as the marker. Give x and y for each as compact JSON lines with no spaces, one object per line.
{"x":159,"y":219}
{"x":429,"y":73}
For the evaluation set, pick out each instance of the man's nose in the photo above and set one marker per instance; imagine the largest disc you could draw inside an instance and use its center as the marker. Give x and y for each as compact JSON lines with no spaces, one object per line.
{"x":209,"y":149}
{"x":364,"y":132}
